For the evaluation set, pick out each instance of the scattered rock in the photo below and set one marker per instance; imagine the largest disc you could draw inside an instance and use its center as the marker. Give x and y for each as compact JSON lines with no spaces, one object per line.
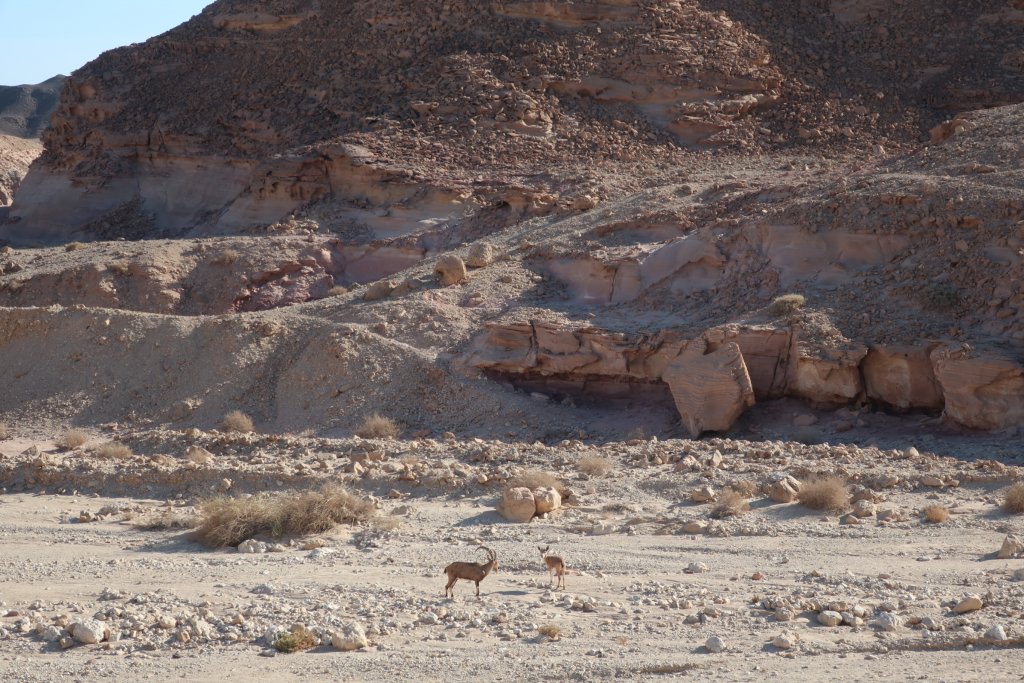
{"x":830,"y":618}
{"x":89,"y":631}
{"x":350,"y":637}
{"x":715,"y":644}
{"x":785,"y":640}
{"x":705,"y":494}
{"x":253,"y":547}
{"x":481,"y":255}
{"x":696,"y":568}
{"x":996,"y":634}
{"x":887,"y":621}
{"x":546,"y":500}
{"x":517,"y":504}
{"x":451,"y":269}
{"x":380,"y":289}
{"x":1012,"y":547}
{"x":783,"y":488}
{"x":971,"y":603}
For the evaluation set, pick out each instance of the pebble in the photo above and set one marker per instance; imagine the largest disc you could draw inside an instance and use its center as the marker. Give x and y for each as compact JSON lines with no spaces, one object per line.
{"x":785,"y":640}
{"x":830,"y":618}
{"x":715,"y":644}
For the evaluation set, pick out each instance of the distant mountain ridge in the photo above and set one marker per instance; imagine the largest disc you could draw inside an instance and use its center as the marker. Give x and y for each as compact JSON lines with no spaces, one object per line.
{"x":25,"y":110}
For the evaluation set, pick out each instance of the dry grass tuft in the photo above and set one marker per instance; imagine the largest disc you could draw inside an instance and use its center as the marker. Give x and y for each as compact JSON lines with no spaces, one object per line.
{"x":378,"y":427}
{"x":731,"y":503}
{"x":5,"y":432}
{"x":168,"y":520}
{"x":386,"y":524}
{"x":595,"y":465}
{"x":337,"y":290}
{"x":534,"y":479}
{"x":1013,"y":499}
{"x":787,"y":303}
{"x":551,"y":631}
{"x":73,"y":246}
{"x":230,"y":521}
{"x":226,"y":258}
{"x":72,"y":440}
{"x":936,"y":514}
{"x":237,"y":421}
{"x":826,"y":494}
{"x":113,"y":450}
{"x":119,"y":267}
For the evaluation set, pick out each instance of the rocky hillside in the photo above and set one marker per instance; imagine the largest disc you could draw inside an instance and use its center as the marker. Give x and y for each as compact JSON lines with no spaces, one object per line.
{"x":379,"y":119}
{"x":25,"y":109}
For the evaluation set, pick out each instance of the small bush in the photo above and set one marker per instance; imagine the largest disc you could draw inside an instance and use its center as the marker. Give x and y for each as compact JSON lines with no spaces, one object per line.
{"x":730,"y":504}
{"x":936,"y":514}
{"x":595,"y":465}
{"x":167,"y":521}
{"x":5,"y":432}
{"x":787,"y":303}
{"x":534,"y":479}
{"x":226,"y":258}
{"x":237,"y":421}
{"x":230,"y":521}
{"x":386,"y":524}
{"x":551,"y":631}
{"x":296,"y":641}
{"x":938,"y":297}
{"x":337,"y":290}
{"x":828,"y":494}
{"x":119,"y":267}
{"x":113,"y":450}
{"x":73,"y":246}
{"x":378,"y":427}
{"x":1013,"y":499}
{"x":72,"y":440}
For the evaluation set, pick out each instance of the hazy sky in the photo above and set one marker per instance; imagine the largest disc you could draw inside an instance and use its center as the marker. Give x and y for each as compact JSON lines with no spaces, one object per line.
{"x":43,"y":39}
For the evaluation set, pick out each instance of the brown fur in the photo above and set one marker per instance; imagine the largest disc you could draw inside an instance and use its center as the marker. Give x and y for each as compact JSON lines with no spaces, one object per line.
{"x":555,"y":565}
{"x":471,"y":571}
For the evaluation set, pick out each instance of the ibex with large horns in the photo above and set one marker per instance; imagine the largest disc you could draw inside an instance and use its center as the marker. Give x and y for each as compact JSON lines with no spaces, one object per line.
{"x":471,"y":571}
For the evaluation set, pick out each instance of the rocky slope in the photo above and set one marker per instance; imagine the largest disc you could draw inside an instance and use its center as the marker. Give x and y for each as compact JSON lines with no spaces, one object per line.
{"x":25,"y":110}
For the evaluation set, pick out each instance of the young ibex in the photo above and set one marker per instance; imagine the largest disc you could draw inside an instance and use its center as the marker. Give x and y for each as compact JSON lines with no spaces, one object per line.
{"x":556,"y":566}
{"x":471,"y":571}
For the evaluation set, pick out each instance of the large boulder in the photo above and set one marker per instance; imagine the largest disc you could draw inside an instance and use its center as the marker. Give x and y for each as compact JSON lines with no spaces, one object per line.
{"x":517,"y":504}
{"x":89,"y":631}
{"x":547,"y":499}
{"x":711,"y":390}
{"x":350,"y":637}
{"x":451,"y":269}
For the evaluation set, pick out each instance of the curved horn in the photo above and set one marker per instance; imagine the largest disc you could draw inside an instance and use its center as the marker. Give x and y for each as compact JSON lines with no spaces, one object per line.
{"x":491,"y":555}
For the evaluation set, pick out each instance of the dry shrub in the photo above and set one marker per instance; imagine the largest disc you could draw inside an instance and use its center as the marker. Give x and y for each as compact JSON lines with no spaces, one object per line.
{"x":595,"y":465}
{"x":936,"y":514}
{"x":5,"y":432}
{"x":72,"y":440}
{"x":378,"y":427}
{"x":230,"y":521}
{"x":113,"y":450}
{"x":551,"y":631}
{"x":73,"y":246}
{"x":787,"y":303}
{"x":637,"y":434}
{"x":534,"y":479}
{"x":1013,"y":499}
{"x":296,"y":641}
{"x":119,"y":267}
{"x":337,"y":290}
{"x":828,"y":494}
{"x":731,"y":503}
{"x":237,"y":421}
{"x":386,"y":524}
{"x":226,"y":258}
{"x":169,"y":520}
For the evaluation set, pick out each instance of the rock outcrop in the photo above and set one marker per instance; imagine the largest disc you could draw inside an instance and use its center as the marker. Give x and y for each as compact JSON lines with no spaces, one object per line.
{"x":711,"y":390}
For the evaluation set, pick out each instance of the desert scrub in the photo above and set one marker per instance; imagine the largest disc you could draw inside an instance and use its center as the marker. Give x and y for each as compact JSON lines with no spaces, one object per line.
{"x":378,"y":427}
{"x":936,"y":514}
{"x":299,"y":639}
{"x":72,"y":440}
{"x":1013,"y":499}
{"x":113,"y":450}
{"x":337,"y":290}
{"x":595,"y":465}
{"x":826,"y":494}
{"x":119,"y":267}
{"x":237,"y":421}
{"x":230,"y":521}
{"x":786,"y":304}
{"x":534,"y":479}
{"x":5,"y":432}
{"x":731,"y":503}
{"x":168,"y":520}
{"x":226,"y":257}
{"x":550,"y":631}
{"x":73,"y":246}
